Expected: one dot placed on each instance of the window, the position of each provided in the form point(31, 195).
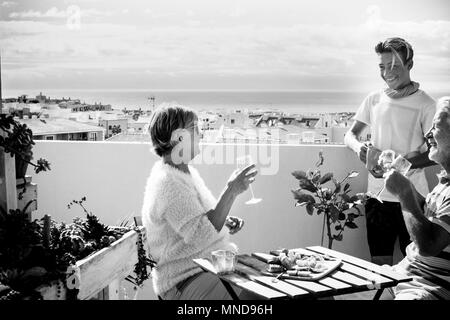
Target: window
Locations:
point(232, 121)
point(93, 136)
point(49, 138)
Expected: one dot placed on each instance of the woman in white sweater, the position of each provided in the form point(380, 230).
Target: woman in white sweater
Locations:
point(182, 218)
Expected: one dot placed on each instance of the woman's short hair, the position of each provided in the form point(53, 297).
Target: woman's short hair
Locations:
point(165, 120)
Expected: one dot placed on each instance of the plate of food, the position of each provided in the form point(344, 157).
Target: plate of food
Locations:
point(297, 264)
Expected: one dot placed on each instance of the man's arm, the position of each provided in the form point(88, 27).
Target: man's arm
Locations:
point(351, 140)
point(421, 161)
point(429, 237)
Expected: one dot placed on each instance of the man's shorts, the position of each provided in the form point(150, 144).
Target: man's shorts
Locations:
point(384, 224)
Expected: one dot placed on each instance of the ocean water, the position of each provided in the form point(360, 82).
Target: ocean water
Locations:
point(286, 101)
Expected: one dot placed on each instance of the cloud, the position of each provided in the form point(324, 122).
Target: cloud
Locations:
point(238, 12)
point(8, 4)
point(373, 21)
point(51, 13)
point(64, 14)
point(186, 46)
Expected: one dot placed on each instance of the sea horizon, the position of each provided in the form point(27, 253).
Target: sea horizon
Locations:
point(289, 101)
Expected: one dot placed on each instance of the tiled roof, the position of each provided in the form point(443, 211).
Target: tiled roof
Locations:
point(56, 126)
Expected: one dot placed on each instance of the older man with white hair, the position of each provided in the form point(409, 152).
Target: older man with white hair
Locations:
point(427, 220)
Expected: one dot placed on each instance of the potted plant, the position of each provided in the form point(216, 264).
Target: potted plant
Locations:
point(38, 255)
point(18, 142)
point(323, 194)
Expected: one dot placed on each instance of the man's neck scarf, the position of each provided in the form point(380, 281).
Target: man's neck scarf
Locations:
point(408, 90)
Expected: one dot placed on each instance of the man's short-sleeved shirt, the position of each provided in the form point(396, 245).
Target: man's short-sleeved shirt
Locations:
point(434, 268)
point(398, 125)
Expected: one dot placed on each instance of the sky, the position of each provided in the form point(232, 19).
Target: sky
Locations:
point(217, 45)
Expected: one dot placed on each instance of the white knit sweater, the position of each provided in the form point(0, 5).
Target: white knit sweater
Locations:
point(178, 229)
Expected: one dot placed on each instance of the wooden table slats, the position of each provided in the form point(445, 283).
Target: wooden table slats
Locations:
point(259, 289)
point(361, 263)
point(351, 279)
point(376, 279)
point(243, 282)
point(311, 286)
point(252, 274)
point(354, 275)
point(289, 289)
point(335, 284)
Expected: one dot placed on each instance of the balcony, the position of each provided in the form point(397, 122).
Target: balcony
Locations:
point(112, 176)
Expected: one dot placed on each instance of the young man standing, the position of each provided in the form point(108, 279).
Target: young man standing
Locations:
point(398, 117)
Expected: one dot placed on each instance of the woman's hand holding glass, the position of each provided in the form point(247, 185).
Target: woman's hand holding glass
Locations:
point(241, 163)
point(240, 179)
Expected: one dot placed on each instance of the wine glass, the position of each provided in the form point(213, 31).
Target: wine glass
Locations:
point(243, 162)
point(388, 161)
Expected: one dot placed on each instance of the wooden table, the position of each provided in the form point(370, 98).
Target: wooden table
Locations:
point(354, 275)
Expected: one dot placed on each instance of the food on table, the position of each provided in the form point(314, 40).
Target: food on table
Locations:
point(299, 273)
point(297, 264)
point(274, 268)
point(274, 260)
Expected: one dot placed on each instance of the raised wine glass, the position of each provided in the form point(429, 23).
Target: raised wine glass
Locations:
point(243, 162)
point(388, 161)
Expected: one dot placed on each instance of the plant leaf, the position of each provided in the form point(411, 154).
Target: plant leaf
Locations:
point(338, 227)
point(334, 213)
point(310, 209)
point(303, 197)
point(307, 185)
point(352, 216)
point(301, 204)
point(351, 225)
point(316, 176)
point(320, 161)
point(326, 177)
point(337, 185)
point(298, 174)
point(353, 174)
point(345, 197)
point(338, 237)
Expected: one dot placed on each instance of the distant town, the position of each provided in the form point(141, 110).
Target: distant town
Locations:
point(72, 119)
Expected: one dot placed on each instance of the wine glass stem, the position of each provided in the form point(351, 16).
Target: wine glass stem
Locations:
point(251, 190)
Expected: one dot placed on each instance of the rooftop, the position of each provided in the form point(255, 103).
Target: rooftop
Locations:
point(57, 126)
point(130, 137)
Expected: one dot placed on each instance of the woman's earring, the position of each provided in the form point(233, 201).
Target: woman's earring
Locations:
point(180, 138)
